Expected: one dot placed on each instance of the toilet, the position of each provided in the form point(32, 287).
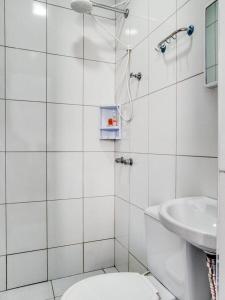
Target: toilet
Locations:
point(167, 262)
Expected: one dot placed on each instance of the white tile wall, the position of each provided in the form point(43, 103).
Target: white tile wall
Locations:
point(64, 79)
point(25, 68)
point(99, 45)
point(173, 137)
point(197, 176)
point(121, 257)
point(137, 234)
point(26, 227)
point(64, 178)
point(46, 46)
point(139, 181)
point(2, 230)
point(2, 35)
point(122, 221)
point(2, 73)
point(2, 177)
point(26, 177)
point(98, 218)
point(162, 178)
point(64, 127)
point(197, 127)
point(65, 222)
point(2, 125)
point(98, 174)
point(25, 20)
point(139, 127)
point(26, 268)
point(98, 83)
point(162, 121)
point(25, 126)
point(65, 261)
point(3, 273)
point(65, 32)
point(98, 255)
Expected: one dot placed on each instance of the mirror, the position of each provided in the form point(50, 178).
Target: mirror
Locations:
point(211, 44)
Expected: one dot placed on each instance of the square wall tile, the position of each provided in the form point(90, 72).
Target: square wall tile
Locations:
point(98, 255)
point(65, 222)
point(137, 234)
point(2, 230)
point(197, 176)
point(26, 268)
point(139, 181)
point(139, 126)
point(162, 178)
point(162, 121)
point(2, 125)
point(122, 178)
point(26, 19)
point(99, 81)
point(26, 177)
point(64, 175)
point(162, 67)
point(64, 127)
point(25, 75)
point(41, 291)
point(26, 227)
point(2, 72)
point(25, 126)
point(92, 140)
point(159, 11)
point(139, 62)
point(197, 116)
point(2, 177)
point(65, 32)
point(122, 221)
point(98, 45)
point(121, 257)
point(104, 13)
point(98, 174)
point(65, 261)
point(2, 21)
point(3, 273)
point(98, 218)
point(190, 58)
point(65, 79)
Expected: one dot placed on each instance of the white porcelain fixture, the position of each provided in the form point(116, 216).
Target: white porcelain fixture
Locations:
point(194, 219)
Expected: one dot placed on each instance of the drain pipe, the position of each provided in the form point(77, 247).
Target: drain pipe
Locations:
point(211, 265)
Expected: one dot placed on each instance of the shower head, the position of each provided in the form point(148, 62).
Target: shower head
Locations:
point(82, 6)
point(86, 7)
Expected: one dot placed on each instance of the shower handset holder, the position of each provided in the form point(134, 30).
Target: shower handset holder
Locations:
point(161, 47)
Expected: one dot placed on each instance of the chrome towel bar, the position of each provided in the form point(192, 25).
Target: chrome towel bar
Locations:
point(161, 47)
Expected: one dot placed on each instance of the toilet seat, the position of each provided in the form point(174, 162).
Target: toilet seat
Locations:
point(119, 286)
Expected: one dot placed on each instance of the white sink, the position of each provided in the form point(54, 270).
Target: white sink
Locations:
point(194, 219)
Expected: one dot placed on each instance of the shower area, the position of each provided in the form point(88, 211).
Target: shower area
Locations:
point(72, 204)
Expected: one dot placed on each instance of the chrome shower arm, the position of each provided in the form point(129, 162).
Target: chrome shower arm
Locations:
point(125, 12)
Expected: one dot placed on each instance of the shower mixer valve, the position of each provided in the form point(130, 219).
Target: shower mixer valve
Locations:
point(138, 76)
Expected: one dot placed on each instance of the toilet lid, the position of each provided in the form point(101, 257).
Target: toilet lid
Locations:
point(119, 286)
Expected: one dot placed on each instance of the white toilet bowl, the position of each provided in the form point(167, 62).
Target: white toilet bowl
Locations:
point(118, 286)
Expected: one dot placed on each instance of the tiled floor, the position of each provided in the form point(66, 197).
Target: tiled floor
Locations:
point(52, 290)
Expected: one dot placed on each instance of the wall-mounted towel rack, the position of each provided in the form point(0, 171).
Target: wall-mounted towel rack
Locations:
point(161, 47)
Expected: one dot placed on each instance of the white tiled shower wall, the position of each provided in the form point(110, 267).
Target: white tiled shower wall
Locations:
point(173, 136)
point(56, 177)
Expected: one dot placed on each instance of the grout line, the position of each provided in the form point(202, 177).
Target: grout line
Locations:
point(83, 158)
point(53, 292)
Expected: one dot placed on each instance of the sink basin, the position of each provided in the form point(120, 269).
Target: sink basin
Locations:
point(194, 219)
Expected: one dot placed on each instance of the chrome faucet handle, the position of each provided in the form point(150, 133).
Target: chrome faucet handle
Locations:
point(128, 162)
